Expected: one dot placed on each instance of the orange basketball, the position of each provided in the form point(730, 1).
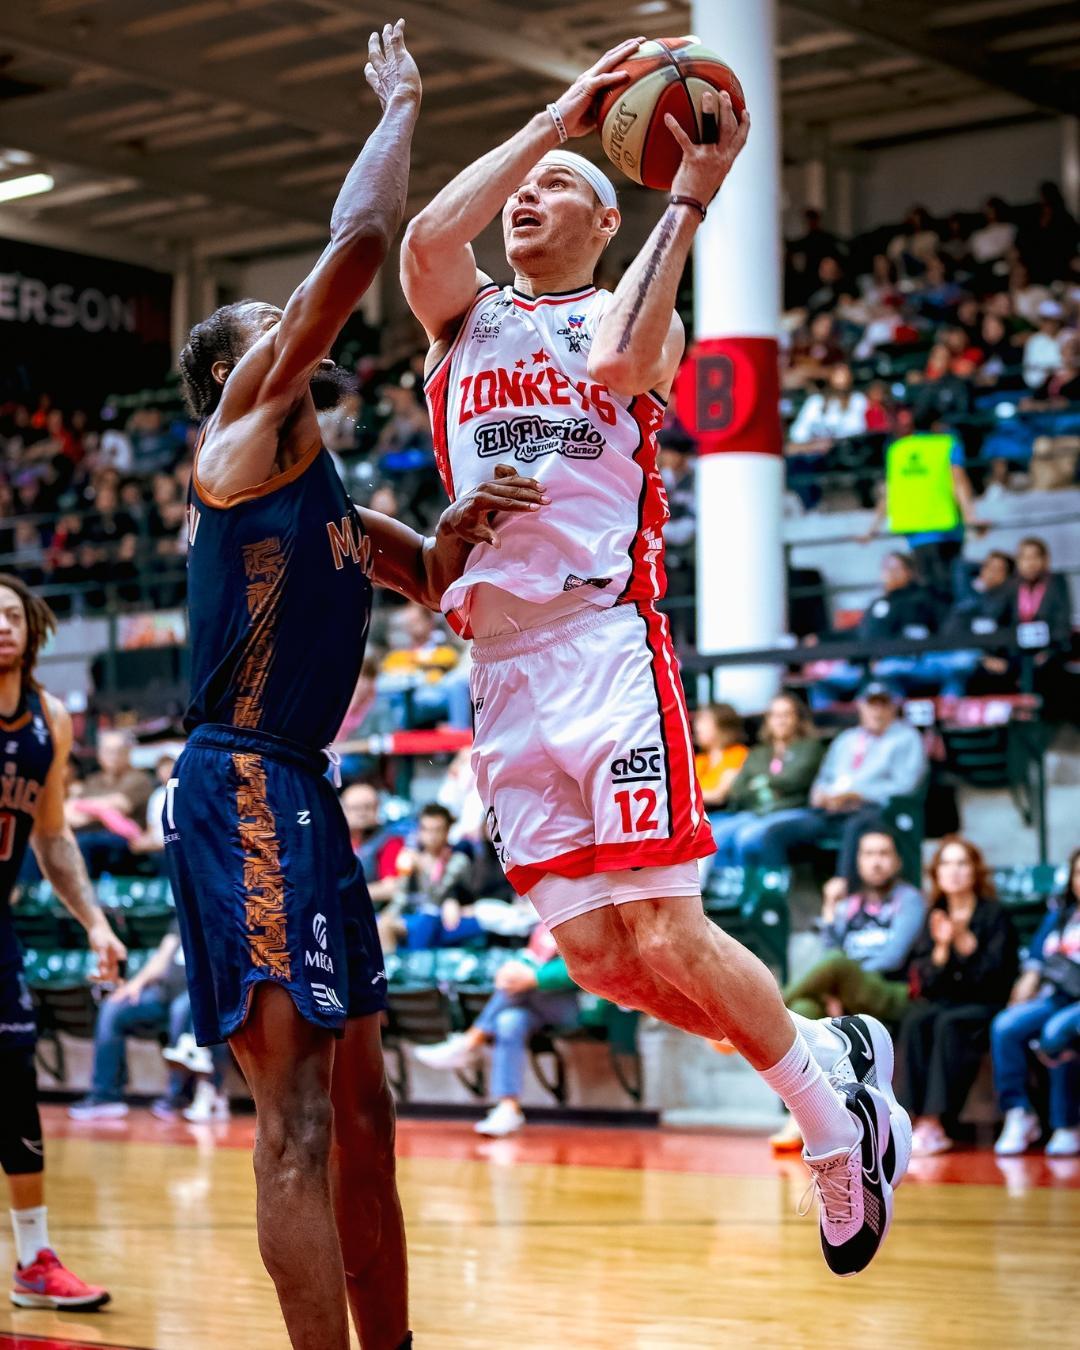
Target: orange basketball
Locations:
point(667, 75)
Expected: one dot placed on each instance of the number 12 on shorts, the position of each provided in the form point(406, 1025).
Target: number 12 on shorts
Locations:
point(638, 810)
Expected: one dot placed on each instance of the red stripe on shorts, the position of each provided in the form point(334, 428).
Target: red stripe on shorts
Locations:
point(593, 858)
point(684, 792)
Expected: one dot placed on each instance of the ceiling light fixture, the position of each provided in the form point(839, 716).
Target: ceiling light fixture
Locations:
point(29, 185)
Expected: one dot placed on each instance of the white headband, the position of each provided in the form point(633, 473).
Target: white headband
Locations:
point(600, 183)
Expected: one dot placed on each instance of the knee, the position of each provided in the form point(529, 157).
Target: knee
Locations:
point(512, 1024)
point(669, 942)
point(295, 1136)
point(602, 971)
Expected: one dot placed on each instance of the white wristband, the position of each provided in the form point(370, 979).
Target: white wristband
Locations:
point(560, 125)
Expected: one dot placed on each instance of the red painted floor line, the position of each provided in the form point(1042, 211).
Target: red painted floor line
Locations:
point(714, 1152)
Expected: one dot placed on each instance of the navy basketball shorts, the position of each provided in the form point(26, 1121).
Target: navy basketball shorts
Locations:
point(266, 884)
point(18, 1023)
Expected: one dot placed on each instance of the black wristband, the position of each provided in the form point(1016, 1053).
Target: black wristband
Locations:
point(677, 200)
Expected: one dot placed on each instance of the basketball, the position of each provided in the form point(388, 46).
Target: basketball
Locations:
point(667, 75)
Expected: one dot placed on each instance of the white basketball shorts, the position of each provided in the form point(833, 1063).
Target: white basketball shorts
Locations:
point(582, 750)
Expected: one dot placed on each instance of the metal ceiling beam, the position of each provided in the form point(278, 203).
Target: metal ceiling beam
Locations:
point(107, 244)
point(164, 63)
point(899, 26)
point(170, 174)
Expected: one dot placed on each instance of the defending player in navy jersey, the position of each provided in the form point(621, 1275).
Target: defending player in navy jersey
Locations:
point(278, 930)
point(35, 738)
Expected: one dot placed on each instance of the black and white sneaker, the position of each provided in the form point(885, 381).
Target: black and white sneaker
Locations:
point(854, 1195)
point(868, 1060)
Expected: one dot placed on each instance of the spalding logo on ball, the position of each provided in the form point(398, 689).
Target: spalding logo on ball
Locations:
point(667, 75)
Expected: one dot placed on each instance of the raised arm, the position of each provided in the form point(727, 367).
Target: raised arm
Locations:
point(58, 854)
point(639, 341)
point(422, 568)
point(273, 375)
point(438, 270)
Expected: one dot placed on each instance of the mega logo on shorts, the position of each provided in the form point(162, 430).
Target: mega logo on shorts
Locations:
point(533, 437)
point(319, 959)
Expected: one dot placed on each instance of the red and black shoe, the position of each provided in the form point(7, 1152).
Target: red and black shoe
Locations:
point(48, 1283)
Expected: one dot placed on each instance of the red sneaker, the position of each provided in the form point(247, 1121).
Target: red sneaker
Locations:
point(49, 1284)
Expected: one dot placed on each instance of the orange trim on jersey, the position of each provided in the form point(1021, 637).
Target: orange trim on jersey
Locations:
point(279, 480)
point(19, 722)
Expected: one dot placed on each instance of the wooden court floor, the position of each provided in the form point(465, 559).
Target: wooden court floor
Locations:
point(567, 1239)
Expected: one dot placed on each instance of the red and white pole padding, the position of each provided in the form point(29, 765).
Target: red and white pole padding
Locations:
point(728, 391)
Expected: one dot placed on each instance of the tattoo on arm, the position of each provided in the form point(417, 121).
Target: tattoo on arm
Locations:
point(63, 865)
point(667, 229)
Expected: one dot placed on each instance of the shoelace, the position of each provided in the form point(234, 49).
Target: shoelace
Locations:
point(833, 1185)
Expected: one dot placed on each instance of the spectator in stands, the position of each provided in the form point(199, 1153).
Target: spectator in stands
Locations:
point(823, 420)
point(1043, 1012)
point(807, 253)
point(991, 242)
point(678, 469)
point(815, 350)
point(866, 768)
point(415, 674)
point(152, 839)
point(869, 935)
point(776, 776)
point(720, 738)
point(1044, 351)
point(107, 810)
point(375, 843)
point(151, 1001)
point(532, 992)
point(206, 1066)
point(1043, 597)
point(962, 968)
point(916, 242)
point(1049, 243)
point(428, 908)
point(832, 285)
point(367, 715)
point(1025, 295)
point(928, 499)
point(986, 611)
point(1001, 356)
point(905, 609)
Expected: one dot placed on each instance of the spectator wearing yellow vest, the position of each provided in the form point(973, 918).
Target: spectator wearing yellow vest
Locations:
point(928, 499)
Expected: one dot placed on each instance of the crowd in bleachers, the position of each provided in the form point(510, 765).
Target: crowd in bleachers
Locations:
point(964, 327)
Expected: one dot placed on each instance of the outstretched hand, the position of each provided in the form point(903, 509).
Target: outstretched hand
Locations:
point(473, 516)
point(580, 103)
point(390, 65)
point(704, 167)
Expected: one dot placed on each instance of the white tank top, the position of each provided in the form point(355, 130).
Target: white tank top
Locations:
point(514, 388)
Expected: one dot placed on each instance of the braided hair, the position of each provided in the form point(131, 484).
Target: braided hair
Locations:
point(217, 338)
point(40, 624)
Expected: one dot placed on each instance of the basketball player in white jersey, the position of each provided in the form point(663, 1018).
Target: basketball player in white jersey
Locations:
point(583, 752)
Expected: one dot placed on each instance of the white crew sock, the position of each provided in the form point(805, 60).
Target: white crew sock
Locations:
point(824, 1041)
point(31, 1233)
point(817, 1107)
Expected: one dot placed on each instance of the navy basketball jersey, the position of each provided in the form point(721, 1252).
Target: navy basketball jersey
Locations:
point(279, 602)
point(26, 755)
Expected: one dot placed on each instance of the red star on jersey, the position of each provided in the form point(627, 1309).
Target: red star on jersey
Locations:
point(519, 364)
point(540, 357)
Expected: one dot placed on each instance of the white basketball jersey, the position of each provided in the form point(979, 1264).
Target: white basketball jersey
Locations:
point(514, 388)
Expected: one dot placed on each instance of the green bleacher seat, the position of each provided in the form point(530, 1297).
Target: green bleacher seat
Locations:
point(1025, 890)
point(751, 904)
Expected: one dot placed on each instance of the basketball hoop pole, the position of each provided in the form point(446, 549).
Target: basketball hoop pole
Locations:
point(737, 266)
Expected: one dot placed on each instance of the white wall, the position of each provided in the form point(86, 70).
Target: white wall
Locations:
point(957, 172)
